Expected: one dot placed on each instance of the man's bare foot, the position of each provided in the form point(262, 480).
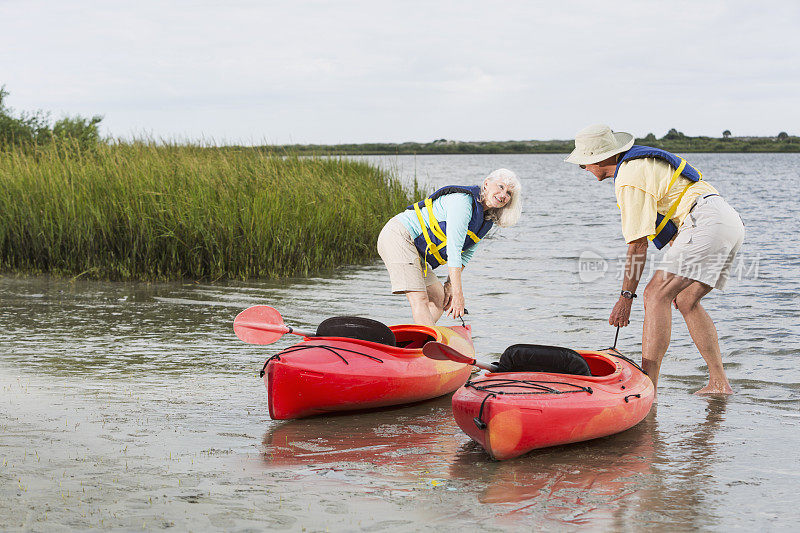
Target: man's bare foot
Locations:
point(715, 389)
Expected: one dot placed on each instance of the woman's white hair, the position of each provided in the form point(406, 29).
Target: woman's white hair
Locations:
point(509, 214)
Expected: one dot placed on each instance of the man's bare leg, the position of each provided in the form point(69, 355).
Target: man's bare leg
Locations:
point(704, 335)
point(658, 296)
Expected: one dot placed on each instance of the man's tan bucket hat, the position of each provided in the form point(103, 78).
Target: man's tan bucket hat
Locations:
point(597, 142)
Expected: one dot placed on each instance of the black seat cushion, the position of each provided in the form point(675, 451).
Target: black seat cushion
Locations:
point(538, 358)
point(356, 327)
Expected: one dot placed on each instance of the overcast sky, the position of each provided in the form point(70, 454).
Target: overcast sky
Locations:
point(340, 71)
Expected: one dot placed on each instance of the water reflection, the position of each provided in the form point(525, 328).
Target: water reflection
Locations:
point(618, 481)
point(591, 482)
point(684, 473)
point(407, 440)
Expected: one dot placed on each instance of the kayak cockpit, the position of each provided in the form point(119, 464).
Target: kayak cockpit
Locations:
point(414, 336)
point(582, 364)
point(599, 364)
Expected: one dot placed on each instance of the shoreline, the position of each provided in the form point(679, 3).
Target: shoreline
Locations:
point(788, 144)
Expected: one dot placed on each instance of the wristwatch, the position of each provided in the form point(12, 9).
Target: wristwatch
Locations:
point(628, 294)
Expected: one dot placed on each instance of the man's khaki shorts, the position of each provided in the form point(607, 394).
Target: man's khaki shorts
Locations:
point(706, 244)
point(402, 260)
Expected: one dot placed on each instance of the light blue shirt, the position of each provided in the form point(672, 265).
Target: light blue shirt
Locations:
point(456, 210)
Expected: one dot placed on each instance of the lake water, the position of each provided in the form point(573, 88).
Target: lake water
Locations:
point(133, 405)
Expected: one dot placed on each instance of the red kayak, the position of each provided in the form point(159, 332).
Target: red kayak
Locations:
point(512, 413)
point(327, 374)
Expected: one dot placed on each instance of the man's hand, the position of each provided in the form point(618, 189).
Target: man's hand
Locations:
point(621, 314)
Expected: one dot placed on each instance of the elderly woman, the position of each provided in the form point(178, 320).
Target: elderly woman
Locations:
point(445, 228)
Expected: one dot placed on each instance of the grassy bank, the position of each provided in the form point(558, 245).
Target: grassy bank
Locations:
point(141, 211)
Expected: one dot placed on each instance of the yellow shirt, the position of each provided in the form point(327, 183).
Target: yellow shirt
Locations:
point(641, 189)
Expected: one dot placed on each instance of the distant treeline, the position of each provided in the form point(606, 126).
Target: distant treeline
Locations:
point(673, 141)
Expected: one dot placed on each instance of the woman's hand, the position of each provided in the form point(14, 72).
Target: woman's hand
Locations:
point(456, 309)
point(448, 295)
point(456, 299)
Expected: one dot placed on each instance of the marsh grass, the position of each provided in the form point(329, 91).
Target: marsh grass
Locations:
point(152, 211)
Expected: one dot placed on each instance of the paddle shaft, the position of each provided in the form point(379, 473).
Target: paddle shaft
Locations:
point(443, 352)
point(277, 328)
point(485, 366)
point(262, 324)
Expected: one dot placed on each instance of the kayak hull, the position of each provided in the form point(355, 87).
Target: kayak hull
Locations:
point(513, 413)
point(323, 375)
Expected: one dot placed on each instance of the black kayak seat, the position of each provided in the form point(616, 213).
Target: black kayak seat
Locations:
point(356, 327)
point(540, 358)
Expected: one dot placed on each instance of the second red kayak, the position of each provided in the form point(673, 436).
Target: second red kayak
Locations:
point(512, 413)
point(327, 374)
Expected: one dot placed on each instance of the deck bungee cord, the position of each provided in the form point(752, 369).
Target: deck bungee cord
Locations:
point(531, 386)
point(333, 349)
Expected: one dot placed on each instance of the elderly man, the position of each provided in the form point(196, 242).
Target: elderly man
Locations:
point(664, 199)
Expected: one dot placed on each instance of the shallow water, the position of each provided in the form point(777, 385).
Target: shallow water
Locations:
point(134, 405)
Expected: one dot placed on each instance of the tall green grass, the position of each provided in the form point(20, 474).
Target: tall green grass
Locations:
point(150, 211)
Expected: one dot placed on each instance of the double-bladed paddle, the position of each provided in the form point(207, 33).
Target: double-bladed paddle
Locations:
point(262, 324)
point(443, 352)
